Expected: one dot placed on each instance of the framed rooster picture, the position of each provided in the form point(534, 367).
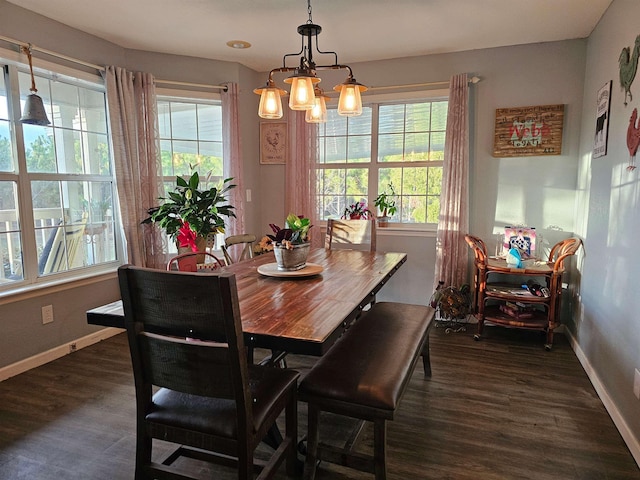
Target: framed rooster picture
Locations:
point(273, 143)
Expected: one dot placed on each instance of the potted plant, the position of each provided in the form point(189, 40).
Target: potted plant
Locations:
point(386, 202)
point(356, 211)
point(291, 243)
point(189, 211)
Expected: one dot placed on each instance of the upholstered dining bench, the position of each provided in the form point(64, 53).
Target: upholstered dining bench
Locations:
point(364, 376)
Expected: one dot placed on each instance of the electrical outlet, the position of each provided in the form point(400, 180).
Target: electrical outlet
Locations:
point(72, 347)
point(47, 314)
point(636, 384)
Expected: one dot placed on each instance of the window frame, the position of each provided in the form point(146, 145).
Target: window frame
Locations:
point(198, 97)
point(14, 64)
point(373, 166)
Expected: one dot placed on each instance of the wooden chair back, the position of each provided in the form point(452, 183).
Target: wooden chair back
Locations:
point(563, 249)
point(238, 247)
point(191, 325)
point(195, 262)
point(351, 234)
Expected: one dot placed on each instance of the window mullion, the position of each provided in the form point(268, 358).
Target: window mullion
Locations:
point(373, 170)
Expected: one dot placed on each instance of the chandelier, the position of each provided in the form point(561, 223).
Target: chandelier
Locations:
point(305, 93)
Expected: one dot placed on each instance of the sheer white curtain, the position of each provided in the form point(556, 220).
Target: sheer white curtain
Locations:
point(453, 224)
point(232, 154)
point(131, 98)
point(300, 172)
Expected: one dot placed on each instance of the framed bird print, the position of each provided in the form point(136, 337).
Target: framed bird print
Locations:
point(273, 143)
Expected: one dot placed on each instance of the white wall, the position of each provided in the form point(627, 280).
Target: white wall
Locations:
point(607, 330)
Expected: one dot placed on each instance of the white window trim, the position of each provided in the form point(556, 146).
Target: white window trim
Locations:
point(66, 279)
point(410, 229)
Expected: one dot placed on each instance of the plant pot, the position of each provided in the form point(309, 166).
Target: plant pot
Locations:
point(383, 221)
point(291, 259)
point(201, 245)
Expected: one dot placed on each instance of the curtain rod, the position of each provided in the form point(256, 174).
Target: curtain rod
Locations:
point(99, 67)
point(473, 79)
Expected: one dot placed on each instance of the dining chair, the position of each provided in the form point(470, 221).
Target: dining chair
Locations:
point(351, 234)
point(194, 385)
point(195, 262)
point(238, 247)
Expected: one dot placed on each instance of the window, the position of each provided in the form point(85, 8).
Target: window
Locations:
point(190, 138)
point(56, 181)
point(399, 144)
point(190, 134)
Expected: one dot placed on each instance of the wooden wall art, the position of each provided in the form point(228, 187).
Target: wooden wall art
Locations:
point(273, 143)
point(628, 63)
point(528, 131)
point(603, 112)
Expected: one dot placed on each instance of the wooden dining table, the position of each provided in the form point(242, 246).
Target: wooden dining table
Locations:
point(297, 314)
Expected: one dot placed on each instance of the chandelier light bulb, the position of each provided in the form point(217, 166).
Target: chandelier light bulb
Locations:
point(302, 97)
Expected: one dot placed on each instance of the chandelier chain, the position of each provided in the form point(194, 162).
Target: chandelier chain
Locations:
point(310, 21)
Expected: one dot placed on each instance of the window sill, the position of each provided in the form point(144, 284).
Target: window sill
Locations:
point(46, 287)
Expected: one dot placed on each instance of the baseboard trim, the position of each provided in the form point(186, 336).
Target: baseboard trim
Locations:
point(627, 435)
point(55, 353)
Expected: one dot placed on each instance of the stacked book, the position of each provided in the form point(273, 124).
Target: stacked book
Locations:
point(517, 309)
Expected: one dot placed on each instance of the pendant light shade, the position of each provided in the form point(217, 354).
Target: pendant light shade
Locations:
point(350, 101)
point(301, 96)
point(33, 112)
point(270, 101)
point(318, 113)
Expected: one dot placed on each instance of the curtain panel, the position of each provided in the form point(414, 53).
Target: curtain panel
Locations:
point(133, 117)
point(232, 157)
point(453, 223)
point(300, 172)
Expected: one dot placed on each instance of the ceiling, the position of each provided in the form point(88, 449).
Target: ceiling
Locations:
point(358, 30)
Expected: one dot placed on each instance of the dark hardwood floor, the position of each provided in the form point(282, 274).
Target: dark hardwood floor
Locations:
point(501, 408)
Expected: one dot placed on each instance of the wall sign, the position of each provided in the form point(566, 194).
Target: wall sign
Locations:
point(528, 131)
point(603, 110)
point(273, 143)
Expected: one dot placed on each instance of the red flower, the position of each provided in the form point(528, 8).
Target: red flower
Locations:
point(187, 237)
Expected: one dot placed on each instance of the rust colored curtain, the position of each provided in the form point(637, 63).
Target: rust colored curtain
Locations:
point(453, 223)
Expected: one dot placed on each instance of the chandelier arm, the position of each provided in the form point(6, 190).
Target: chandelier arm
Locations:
point(335, 55)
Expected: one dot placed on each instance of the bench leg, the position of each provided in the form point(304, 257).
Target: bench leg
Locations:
point(379, 449)
point(313, 435)
point(426, 359)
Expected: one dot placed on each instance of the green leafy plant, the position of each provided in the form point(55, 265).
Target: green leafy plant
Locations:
point(295, 231)
point(203, 209)
point(386, 202)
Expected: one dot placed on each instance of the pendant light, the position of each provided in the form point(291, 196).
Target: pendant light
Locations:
point(304, 82)
point(33, 113)
point(317, 113)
